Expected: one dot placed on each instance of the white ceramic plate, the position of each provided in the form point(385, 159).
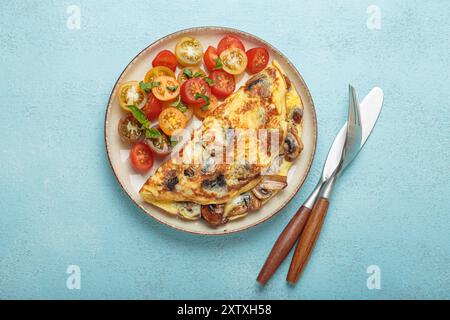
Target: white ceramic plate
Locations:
point(132, 182)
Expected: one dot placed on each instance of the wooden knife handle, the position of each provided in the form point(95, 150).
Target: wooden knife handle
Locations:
point(307, 240)
point(284, 244)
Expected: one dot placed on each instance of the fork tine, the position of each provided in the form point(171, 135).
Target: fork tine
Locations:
point(353, 107)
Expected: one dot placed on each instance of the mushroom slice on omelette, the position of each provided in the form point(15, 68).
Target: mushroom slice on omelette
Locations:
point(220, 179)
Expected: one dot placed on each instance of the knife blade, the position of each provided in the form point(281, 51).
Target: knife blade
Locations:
point(370, 109)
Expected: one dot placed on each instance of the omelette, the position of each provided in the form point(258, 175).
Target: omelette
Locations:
point(238, 158)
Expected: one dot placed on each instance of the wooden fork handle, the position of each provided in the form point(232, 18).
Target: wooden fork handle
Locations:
point(284, 244)
point(307, 239)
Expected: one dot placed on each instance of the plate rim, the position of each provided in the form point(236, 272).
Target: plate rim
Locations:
point(286, 60)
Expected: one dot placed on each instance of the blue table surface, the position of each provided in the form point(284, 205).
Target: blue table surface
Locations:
point(61, 205)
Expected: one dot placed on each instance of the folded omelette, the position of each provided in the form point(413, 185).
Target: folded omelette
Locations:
point(238, 158)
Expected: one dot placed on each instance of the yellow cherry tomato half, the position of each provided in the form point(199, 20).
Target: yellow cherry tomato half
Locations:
point(130, 93)
point(156, 72)
point(189, 51)
point(192, 71)
point(170, 120)
point(234, 60)
point(187, 110)
point(167, 89)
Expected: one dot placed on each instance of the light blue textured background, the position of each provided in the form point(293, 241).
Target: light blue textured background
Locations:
point(60, 203)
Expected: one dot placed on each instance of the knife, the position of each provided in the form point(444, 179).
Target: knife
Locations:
point(370, 109)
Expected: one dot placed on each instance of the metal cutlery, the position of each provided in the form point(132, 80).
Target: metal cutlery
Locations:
point(348, 142)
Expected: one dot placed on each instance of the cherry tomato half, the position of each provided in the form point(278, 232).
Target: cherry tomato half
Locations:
point(165, 58)
point(156, 72)
point(189, 51)
point(170, 120)
point(188, 111)
point(130, 93)
point(210, 58)
point(202, 112)
point(182, 77)
point(129, 129)
point(224, 84)
point(141, 157)
point(258, 58)
point(161, 145)
point(167, 89)
point(191, 89)
point(152, 108)
point(234, 60)
point(229, 42)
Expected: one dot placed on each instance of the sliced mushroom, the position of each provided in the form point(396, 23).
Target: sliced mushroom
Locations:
point(244, 203)
point(297, 115)
point(269, 184)
point(189, 172)
point(213, 214)
point(274, 182)
point(171, 180)
point(219, 181)
point(261, 193)
point(255, 80)
point(292, 145)
point(260, 84)
point(189, 210)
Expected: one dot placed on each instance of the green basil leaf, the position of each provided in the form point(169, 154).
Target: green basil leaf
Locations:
point(152, 133)
point(198, 74)
point(209, 81)
point(219, 64)
point(188, 73)
point(200, 96)
point(172, 88)
point(139, 115)
point(179, 105)
point(147, 86)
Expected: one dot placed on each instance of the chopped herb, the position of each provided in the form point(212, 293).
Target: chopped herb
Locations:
point(209, 81)
point(206, 98)
point(173, 142)
point(147, 86)
point(152, 133)
point(198, 74)
point(172, 88)
point(179, 105)
point(188, 73)
point(219, 64)
point(140, 116)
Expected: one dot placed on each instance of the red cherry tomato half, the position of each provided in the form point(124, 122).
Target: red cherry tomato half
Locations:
point(258, 58)
point(152, 108)
point(229, 42)
point(210, 58)
point(191, 89)
point(224, 84)
point(141, 157)
point(166, 59)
